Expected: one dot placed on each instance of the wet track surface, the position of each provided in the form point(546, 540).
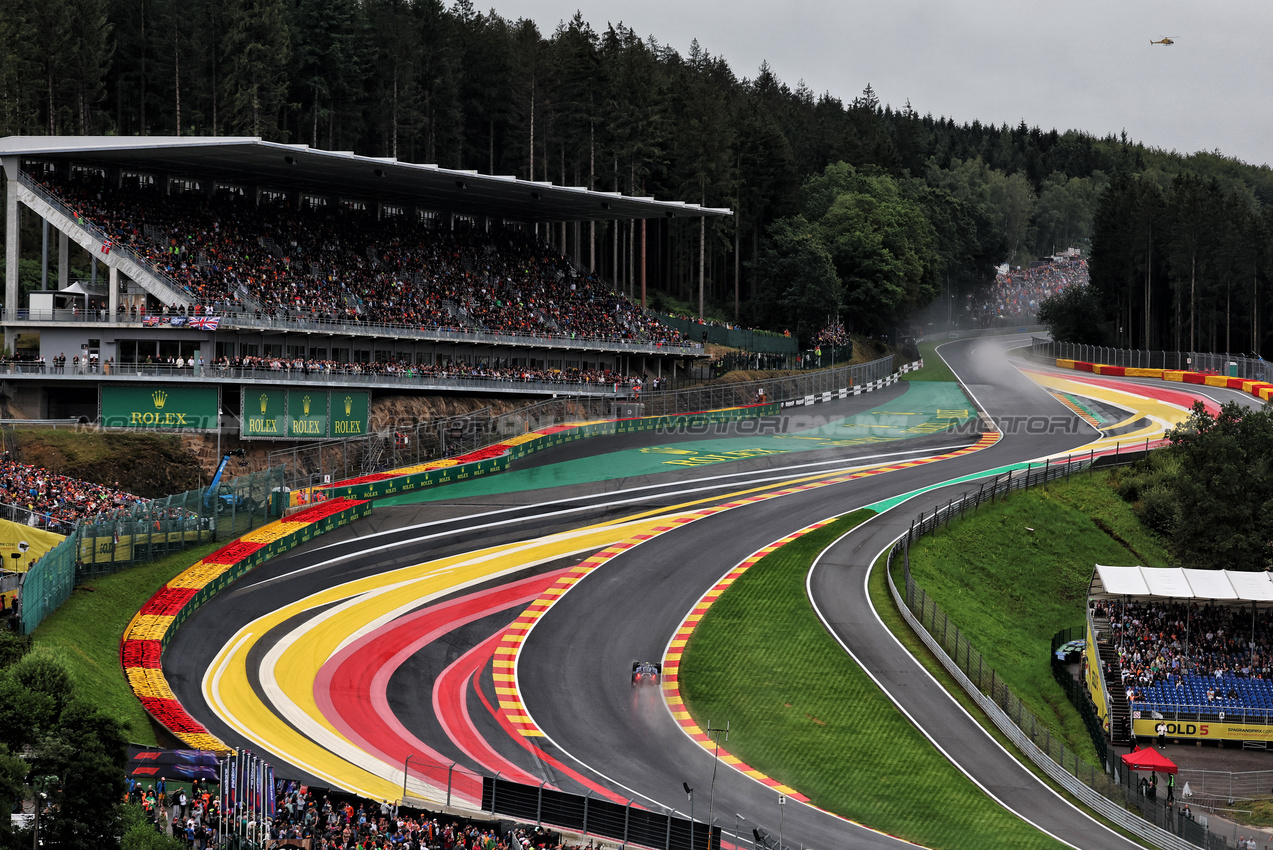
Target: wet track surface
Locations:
point(600, 734)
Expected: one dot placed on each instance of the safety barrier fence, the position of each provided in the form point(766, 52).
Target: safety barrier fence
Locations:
point(33, 518)
point(1101, 788)
point(408, 444)
point(1077, 694)
point(761, 342)
point(594, 816)
point(788, 390)
point(1231, 365)
point(247, 787)
point(128, 535)
point(498, 457)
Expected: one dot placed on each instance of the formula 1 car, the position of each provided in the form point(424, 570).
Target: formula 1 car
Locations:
point(646, 671)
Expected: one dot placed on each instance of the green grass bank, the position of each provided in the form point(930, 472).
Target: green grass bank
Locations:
point(1012, 575)
point(803, 712)
point(84, 634)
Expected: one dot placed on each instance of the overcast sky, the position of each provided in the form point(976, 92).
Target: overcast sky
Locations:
point(1068, 64)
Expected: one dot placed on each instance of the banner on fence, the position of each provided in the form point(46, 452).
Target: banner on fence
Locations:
point(30, 544)
point(1146, 726)
point(1092, 675)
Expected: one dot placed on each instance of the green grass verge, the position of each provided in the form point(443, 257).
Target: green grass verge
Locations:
point(84, 634)
point(1010, 589)
point(877, 588)
point(934, 369)
point(801, 711)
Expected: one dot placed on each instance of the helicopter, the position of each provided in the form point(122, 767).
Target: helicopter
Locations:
point(1165, 40)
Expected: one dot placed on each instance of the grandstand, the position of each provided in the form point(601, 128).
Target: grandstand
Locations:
point(231, 262)
point(1190, 649)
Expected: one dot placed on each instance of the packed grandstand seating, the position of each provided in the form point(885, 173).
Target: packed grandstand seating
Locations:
point(56, 500)
point(344, 264)
point(1205, 657)
point(1017, 293)
point(499, 371)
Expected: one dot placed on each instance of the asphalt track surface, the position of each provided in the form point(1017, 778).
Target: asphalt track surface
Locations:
point(573, 668)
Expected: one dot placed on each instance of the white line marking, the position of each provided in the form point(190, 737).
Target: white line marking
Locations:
point(786, 474)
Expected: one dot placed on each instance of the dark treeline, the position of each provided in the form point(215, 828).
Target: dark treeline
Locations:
point(1182, 264)
point(935, 203)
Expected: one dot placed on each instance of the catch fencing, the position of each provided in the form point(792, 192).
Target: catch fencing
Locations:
point(1105, 788)
point(121, 537)
point(803, 388)
point(595, 816)
point(405, 444)
point(33, 518)
point(757, 342)
point(1231, 365)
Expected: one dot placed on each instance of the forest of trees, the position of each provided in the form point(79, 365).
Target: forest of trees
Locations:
point(607, 108)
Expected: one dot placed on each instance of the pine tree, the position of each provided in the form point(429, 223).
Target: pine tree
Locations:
point(257, 48)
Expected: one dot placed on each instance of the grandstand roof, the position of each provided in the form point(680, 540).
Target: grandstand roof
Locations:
point(249, 160)
point(1170, 583)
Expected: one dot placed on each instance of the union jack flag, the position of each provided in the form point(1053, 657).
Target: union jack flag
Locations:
point(207, 323)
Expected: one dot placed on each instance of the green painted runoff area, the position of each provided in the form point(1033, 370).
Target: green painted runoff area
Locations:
point(925, 408)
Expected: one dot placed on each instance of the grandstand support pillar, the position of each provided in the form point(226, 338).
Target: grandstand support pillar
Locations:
point(12, 246)
point(114, 293)
point(63, 260)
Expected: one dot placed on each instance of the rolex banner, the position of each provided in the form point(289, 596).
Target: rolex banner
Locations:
point(317, 414)
point(306, 414)
point(349, 413)
point(159, 407)
point(262, 412)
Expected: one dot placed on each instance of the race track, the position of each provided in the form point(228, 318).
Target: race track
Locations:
point(494, 631)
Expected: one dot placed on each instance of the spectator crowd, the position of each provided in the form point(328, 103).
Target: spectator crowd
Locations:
point(497, 370)
point(316, 820)
point(1164, 644)
point(56, 499)
point(833, 334)
point(344, 263)
point(1017, 293)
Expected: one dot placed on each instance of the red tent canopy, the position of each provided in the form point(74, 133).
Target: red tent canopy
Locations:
point(1147, 758)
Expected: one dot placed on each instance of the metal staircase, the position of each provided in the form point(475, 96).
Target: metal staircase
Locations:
point(1120, 711)
point(93, 240)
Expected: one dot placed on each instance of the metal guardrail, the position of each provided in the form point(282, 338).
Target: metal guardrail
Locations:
point(804, 388)
point(1098, 788)
point(408, 443)
point(1232, 365)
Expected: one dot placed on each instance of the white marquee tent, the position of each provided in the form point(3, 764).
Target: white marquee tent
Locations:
point(1218, 586)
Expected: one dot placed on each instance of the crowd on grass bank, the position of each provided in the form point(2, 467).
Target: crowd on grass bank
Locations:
point(58, 500)
point(1162, 642)
point(346, 263)
point(1017, 293)
point(314, 819)
point(833, 334)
